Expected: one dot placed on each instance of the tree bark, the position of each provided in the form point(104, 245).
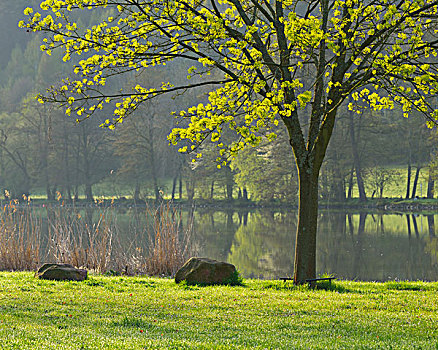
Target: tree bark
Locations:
point(190, 189)
point(245, 194)
point(152, 158)
point(212, 189)
point(180, 187)
point(430, 185)
point(339, 185)
point(414, 186)
point(67, 170)
point(350, 183)
point(408, 182)
point(175, 179)
point(87, 166)
point(137, 192)
point(305, 246)
point(229, 182)
point(356, 160)
point(156, 189)
point(89, 192)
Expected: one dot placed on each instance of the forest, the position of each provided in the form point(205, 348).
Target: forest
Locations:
point(45, 154)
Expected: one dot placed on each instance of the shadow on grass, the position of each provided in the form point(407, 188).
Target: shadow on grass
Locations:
point(236, 280)
point(322, 285)
point(412, 286)
point(329, 286)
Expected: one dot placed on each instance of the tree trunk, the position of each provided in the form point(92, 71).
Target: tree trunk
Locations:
point(408, 182)
point(350, 183)
point(356, 161)
point(339, 185)
point(212, 189)
point(137, 192)
point(87, 166)
point(157, 193)
point(50, 194)
point(69, 196)
point(190, 189)
point(229, 191)
point(414, 186)
point(175, 179)
point(156, 189)
point(67, 170)
point(430, 185)
point(245, 194)
point(305, 246)
point(229, 187)
point(180, 186)
point(89, 192)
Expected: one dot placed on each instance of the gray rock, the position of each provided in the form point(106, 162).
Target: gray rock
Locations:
point(61, 272)
point(207, 271)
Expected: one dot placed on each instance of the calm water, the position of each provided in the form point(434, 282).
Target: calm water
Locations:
point(367, 247)
point(260, 243)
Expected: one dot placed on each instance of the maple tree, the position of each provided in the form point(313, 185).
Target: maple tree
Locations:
point(281, 63)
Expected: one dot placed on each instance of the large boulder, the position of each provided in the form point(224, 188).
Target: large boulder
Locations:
point(61, 272)
point(207, 271)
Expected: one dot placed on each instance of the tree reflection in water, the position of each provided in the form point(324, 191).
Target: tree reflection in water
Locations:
point(361, 246)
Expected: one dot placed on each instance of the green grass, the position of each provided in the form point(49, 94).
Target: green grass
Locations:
point(148, 313)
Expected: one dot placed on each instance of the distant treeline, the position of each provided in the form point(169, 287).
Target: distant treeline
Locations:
point(42, 151)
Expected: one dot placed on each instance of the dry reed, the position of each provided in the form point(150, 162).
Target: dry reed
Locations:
point(79, 241)
point(20, 236)
point(158, 244)
point(169, 244)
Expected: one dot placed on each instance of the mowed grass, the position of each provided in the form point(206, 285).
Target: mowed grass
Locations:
point(150, 313)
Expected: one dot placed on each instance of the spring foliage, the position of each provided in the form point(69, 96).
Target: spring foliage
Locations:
point(275, 58)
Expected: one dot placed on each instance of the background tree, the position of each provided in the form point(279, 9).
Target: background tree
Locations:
point(266, 171)
point(276, 57)
point(379, 179)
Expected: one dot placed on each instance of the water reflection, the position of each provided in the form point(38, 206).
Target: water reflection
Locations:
point(361, 246)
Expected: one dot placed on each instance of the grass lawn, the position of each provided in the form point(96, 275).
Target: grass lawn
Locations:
point(150, 313)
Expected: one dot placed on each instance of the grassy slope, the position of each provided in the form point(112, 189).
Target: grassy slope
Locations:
point(144, 313)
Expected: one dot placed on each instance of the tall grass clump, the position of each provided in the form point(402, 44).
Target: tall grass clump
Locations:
point(170, 245)
point(155, 243)
point(20, 237)
point(77, 240)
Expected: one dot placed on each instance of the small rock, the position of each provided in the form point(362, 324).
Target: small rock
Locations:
point(61, 272)
point(207, 271)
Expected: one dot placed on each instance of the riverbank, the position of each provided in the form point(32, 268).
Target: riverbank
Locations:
point(384, 204)
point(150, 313)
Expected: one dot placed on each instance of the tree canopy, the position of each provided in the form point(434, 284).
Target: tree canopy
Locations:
point(265, 61)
